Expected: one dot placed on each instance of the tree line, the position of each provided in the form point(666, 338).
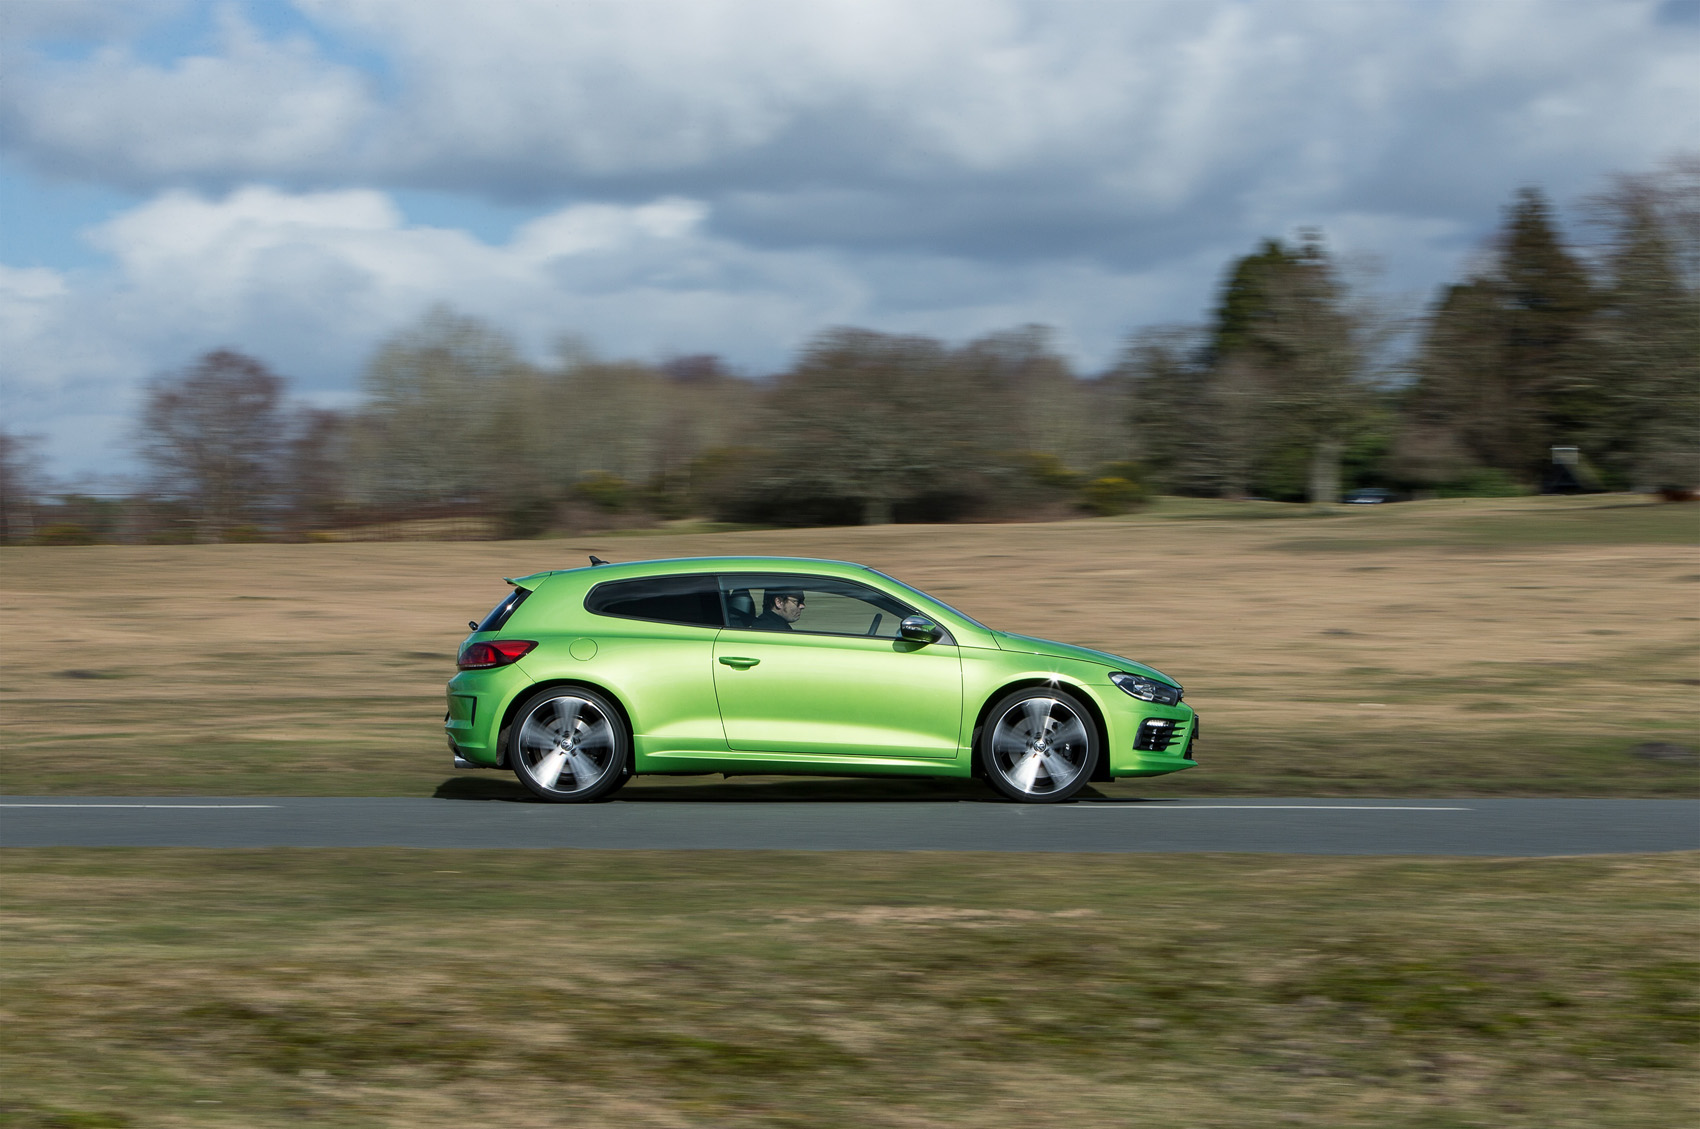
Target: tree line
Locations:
point(1298, 386)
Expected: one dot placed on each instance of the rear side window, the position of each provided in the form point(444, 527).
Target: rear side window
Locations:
point(690, 600)
point(500, 613)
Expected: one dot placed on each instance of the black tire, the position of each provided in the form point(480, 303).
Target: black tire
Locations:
point(570, 732)
point(1039, 745)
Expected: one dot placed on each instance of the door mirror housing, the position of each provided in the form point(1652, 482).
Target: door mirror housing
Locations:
point(919, 629)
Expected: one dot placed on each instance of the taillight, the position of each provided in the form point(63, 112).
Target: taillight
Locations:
point(500, 652)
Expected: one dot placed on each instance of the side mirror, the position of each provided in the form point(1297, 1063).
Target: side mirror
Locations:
point(919, 629)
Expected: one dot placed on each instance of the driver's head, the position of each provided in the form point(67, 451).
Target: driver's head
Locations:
point(786, 604)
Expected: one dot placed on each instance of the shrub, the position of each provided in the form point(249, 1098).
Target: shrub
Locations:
point(64, 533)
point(607, 492)
point(1111, 495)
point(1047, 469)
point(1483, 482)
point(527, 517)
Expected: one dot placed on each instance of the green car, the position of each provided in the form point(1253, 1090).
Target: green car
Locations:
point(583, 677)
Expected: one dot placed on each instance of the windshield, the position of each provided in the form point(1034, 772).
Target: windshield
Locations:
point(929, 596)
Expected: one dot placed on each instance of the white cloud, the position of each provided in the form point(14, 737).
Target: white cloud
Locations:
point(732, 176)
point(1147, 110)
point(24, 20)
point(256, 107)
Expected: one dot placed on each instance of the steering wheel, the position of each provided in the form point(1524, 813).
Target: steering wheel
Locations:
point(875, 625)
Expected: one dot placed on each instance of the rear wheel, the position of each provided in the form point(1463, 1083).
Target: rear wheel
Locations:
point(1039, 745)
point(569, 745)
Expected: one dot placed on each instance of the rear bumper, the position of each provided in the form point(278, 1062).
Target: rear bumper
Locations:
point(478, 700)
point(461, 762)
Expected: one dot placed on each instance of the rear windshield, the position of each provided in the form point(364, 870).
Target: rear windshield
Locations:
point(690, 600)
point(500, 613)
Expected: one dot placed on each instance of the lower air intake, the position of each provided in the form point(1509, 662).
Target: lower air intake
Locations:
point(1155, 735)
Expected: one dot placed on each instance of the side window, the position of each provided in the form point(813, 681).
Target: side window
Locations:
point(818, 605)
point(689, 600)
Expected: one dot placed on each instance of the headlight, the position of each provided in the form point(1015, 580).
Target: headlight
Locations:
point(1148, 689)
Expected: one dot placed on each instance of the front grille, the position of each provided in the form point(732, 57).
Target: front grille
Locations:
point(1157, 734)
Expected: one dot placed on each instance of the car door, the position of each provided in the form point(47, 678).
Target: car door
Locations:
point(828, 674)
point(654, 646)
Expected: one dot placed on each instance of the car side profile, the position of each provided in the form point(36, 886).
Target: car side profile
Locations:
point(581, 678)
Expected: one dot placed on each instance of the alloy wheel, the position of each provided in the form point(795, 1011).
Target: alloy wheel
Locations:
point(566, 746)
point(1040, 746)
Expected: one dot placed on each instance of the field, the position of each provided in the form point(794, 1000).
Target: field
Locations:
point(1519, 646)
point(628, 989)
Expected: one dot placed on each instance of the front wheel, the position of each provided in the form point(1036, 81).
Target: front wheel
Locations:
point(1039, 745)
point(570, 745)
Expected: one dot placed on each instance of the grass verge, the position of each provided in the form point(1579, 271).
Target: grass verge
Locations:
point(446, 988)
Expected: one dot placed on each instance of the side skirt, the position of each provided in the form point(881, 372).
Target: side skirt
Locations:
point(799, 764)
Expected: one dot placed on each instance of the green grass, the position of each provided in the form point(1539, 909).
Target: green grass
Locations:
point(798, 989)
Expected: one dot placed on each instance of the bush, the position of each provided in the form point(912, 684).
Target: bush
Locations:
point(1483, 482)
point(1111, 495)
point(526, 518)
point(244, 535)
point(1048, 470)
point(64, 533)
point(607, 492)
point(668, 501)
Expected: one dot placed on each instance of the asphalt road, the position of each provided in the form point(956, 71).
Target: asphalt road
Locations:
point(1510, 827)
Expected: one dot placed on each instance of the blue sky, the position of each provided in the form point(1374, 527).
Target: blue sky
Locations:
point(302, 179)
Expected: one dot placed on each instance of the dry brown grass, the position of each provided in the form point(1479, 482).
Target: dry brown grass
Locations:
point(452, 988)
point(1503, 646)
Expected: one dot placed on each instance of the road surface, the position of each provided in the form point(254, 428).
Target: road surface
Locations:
point(1510, 827)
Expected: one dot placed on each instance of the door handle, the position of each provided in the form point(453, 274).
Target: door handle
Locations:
point(741, 664)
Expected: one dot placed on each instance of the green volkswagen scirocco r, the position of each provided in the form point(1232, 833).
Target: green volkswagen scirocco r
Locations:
point(583, 677)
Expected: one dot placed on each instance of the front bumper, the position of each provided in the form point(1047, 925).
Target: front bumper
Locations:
point(1159, 740)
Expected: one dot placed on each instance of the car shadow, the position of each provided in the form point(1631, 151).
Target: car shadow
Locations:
point(829, 789)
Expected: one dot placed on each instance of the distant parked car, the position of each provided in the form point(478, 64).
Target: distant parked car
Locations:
point(1368, 496)
point(581, 678)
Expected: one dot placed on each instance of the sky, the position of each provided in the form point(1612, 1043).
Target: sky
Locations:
point(301, 179)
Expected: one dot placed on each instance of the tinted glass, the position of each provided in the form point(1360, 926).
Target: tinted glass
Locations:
point(500, 613)
point(818, 605)
point(690, 600)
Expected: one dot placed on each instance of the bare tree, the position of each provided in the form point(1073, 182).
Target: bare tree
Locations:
point(316, 464)
point(213, 435)
point(20, 485)
point(1177, 417)
point(877, 421)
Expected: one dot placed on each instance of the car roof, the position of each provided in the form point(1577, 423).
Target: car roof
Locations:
point(673, 566)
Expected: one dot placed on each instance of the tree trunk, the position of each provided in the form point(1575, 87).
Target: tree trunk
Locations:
point(1325, 473)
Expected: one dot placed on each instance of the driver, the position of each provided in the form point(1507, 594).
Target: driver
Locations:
point(784, 607)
